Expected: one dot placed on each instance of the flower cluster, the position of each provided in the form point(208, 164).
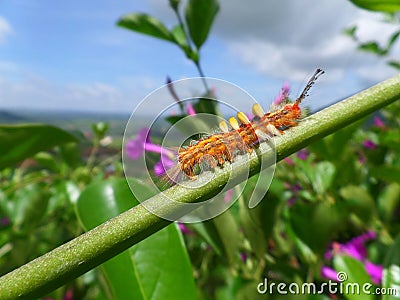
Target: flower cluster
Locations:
point(356, 249)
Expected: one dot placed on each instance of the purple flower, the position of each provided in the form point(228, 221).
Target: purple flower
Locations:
point(303, 154)
point(283, 95)
point(295, 192)
point(184, 229)
point(4, 222)
point(368, 144)
point(356, 249)
point(379, 123)
point(243, 256)
point(375, 271)
point(165, 163)
point(329, 273)
point(135, 148)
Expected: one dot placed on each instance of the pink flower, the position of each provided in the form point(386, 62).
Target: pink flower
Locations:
point(283, 95)
point(289, 161)
point(228, 195)
point(135, 148)
point(379, 123)
point(190, 110)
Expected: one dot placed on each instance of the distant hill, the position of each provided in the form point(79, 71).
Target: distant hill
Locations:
point(10, 117)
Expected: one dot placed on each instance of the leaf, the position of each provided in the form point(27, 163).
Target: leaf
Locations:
point(315, 224)
point(179, 38)
point(393, 38)
point(388, 200)
point(22, 141)
point(387, 173)
point(258, 222)
point(351, 32)
point(356, 275)
point(322, 176)
point(29, 206)
point(391, 271)
point(146, 24)
point(390, 6)
point(224, 233)
point(394, 64)
point(372, 47)
point(200, 16)
point(151, 268)
point(358, 201)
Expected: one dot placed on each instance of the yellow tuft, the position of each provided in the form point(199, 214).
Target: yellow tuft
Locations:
point(223, 126)
point(234, 123)
point(257, 110)
point(243, 118)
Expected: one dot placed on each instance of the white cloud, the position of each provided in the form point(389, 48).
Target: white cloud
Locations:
point(5, 30)
point(22, 89)
point(290, 38)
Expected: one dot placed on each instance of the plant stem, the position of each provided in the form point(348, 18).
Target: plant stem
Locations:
point(197, 63)
point(93, 248)
point(200, 70)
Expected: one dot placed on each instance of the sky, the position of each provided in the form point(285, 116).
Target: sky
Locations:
point(70, 55)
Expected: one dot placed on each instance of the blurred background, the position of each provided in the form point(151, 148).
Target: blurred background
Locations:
point(72, 72)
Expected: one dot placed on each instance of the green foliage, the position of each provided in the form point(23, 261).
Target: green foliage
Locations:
point(23, 141)
point(199, 17)
point(189, 36)
point(151, 268)
point(341, 186)
point(389, 6)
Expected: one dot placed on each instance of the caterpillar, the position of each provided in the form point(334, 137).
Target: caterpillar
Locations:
point(219, 148)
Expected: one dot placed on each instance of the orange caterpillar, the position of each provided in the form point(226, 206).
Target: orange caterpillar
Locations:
point(218, 148)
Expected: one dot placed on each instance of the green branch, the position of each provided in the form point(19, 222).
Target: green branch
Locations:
point(89, 250)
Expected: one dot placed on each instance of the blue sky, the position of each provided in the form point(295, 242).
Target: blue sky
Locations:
point(70, 55)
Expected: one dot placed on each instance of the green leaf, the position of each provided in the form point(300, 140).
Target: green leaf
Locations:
point(372, 47)
point(146, 24)
point(394, 64)
point(208, 106)
point(391, 271)
point(258, 222)
point(315, 224)
point(200, 16)
point(47, 161)
point(387, 173)
point(390, 6)
point(358, 201)
point(149, 269)
point(23, 141)
point(351, 32)
point(393, 38)
point(388, 200)
point(356, 276)
point(178, 34)
point(29, 206)
point(223, 231)
point(322, 176)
